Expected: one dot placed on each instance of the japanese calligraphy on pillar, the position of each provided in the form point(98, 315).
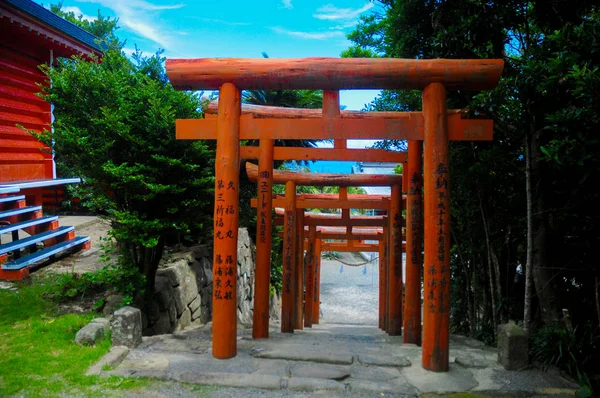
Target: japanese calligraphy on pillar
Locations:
point(223, 271)
point(414, 195)
point(310, 269)
point(439, 274)
point(316, 271)
point(264, 205)
point(288, 251)
point(397, 225)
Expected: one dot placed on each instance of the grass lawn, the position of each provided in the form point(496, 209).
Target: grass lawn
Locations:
point(37, 354)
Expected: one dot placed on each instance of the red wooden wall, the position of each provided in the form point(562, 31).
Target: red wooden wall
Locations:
point(20, 155)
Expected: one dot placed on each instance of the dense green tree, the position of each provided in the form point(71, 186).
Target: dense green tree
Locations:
point(114, 126)
point(546, 112)
point(103, 28)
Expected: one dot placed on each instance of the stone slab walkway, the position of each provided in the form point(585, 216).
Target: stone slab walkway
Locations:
point(332, 360)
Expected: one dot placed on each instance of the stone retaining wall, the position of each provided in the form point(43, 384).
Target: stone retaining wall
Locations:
point(183, 292)
point(184, 284)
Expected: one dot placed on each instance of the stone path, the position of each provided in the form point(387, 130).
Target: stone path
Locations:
point(330, 359)
point(344, 356)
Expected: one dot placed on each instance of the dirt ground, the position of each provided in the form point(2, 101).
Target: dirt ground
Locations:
point(86, 261)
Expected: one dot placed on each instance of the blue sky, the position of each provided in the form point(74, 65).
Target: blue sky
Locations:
point(236, 28)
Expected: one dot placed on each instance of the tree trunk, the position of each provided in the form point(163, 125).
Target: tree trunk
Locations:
point(465, 267)
point(154, 255)
point(489, 261)
point(485, 309)
point(529, 256)
point(499, 291)
point(597, 289)
point(470, 305)
point(543, 277)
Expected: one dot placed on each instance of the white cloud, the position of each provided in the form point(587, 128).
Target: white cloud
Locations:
point(331, 13)
point(138, 16)
point(77, 11)
point(287, 4)
point(345, 25)
point(308, 35)
point(223, 22)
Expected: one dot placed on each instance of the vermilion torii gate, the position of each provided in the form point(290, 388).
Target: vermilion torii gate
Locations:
point(393, 280)
point(434, 126)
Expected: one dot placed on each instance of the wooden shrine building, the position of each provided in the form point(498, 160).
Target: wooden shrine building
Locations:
point(31, 35)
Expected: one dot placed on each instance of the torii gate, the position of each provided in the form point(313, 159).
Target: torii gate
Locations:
point(391, 286)
point(294, 204)
point(433, 125)
point(293, 234)
point(333, 220)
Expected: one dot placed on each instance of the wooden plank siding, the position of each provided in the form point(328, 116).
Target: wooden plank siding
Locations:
point(21, 155)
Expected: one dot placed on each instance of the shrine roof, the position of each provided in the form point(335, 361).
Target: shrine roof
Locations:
point(53, 21)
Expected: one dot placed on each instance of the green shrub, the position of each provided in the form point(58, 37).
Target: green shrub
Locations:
point(115, 128)
point(276, 260)
point(578, 354)
point(485, 333)
point(124, 279)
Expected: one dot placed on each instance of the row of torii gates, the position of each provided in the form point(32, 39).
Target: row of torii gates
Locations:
point(427, 217)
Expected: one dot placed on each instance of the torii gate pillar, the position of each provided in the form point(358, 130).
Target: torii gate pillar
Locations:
point(289, 253)
point(298, 318)
point(227, 177)
point(260, 320)
point(317, 295)
point(382, 279)
point(414, 244)
point(436, 314)
point(311, 261)
point(395, 263)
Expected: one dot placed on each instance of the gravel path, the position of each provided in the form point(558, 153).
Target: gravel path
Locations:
point(349, 295)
